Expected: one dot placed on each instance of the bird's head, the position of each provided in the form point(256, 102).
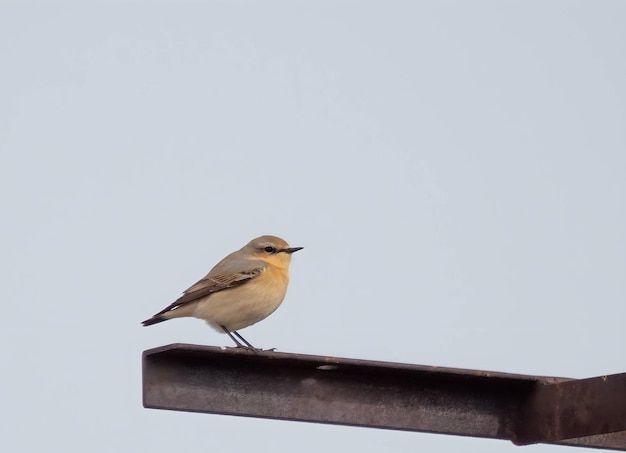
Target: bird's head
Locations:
point(270, 249)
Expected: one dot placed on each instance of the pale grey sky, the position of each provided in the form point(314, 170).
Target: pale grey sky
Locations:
point(456, 171)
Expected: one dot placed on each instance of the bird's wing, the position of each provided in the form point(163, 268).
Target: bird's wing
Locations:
point(219, 279)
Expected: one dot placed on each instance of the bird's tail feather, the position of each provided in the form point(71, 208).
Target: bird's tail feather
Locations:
point(154, 320)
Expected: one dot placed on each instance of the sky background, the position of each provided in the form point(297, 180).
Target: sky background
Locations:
point(456, 171)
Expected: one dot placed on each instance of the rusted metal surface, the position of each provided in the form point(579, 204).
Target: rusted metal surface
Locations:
point(524, 409)
point(575, 408)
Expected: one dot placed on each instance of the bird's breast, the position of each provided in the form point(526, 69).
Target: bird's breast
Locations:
point(247, 304)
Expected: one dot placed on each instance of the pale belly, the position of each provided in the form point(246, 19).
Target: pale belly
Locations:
point(241, 307)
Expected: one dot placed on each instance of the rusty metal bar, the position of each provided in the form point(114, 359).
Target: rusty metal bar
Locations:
point(574, 408)
point(523, 409)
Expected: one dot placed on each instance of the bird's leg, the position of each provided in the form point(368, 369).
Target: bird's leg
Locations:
point(249, 345)
point(239, 345)
point(243, 339)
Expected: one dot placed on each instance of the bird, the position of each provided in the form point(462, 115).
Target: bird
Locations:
point(242, 289)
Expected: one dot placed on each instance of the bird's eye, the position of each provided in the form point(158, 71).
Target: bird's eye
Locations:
point(269, 249)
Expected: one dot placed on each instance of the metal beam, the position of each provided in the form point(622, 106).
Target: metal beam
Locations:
point(575, 408)
point(523, 409)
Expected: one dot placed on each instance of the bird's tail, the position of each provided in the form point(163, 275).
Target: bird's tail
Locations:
point(154, 320)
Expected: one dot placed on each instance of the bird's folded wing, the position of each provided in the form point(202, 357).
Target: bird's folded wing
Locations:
point(213, 283)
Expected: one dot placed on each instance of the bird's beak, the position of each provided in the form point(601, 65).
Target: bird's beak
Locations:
point(292, 249)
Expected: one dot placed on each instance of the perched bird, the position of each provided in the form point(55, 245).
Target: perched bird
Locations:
point(241, 290)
